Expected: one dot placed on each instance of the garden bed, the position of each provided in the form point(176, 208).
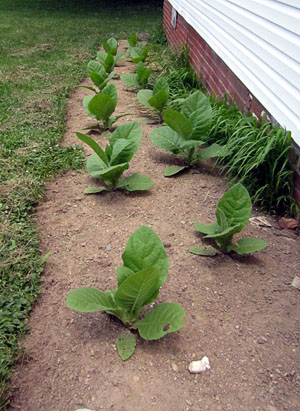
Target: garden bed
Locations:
point(241, 312)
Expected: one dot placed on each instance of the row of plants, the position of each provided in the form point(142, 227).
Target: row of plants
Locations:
point(260, 154)
point(40, 64)
point(145, 263)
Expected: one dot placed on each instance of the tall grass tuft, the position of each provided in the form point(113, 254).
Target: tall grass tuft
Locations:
point(260, 156)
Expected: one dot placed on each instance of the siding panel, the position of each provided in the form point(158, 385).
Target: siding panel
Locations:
point(259, 40)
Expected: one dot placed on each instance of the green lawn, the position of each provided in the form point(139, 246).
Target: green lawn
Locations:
point(44, 47)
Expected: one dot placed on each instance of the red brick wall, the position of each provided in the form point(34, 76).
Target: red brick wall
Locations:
point(215, 74)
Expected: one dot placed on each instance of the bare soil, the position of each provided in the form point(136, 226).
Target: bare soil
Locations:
point(241, 312)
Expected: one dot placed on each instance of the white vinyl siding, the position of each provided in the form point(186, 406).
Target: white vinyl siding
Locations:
point(259, 40)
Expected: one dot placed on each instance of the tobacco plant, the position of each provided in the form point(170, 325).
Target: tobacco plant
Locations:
point(157, 98)
point(144, 271)
point(138, 79)
point(110, 163)
point(184, 133)
point(109, 61)
point(133, 42)
point(233, 212)
point(97, 74)
point(101, 107)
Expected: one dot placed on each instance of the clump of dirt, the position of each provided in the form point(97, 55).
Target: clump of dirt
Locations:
point(241, 312)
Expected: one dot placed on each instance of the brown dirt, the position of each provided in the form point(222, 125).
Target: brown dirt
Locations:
point(240, 312)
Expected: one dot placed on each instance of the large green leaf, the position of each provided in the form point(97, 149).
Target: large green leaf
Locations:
point(110, 46)
point(96, 67)
point(168, 139)
point(201, 122)
point(136, 182)
point(113, 172)
point(111, 90)
point(208, 229)
point(123, 151)
point(129, 130)
point(143, 73)
point(119, 56)
point(96, 168)
point(248, 245)
point(130, 80)
point(144, 249)
point(87, 300)
point(236, 205)
point(195, 102)
point(163, 319)
point(109, 63)
point(215, 150)
point(143, 96)
point(138, 54)
point(126, 344)
point(221, 219)
point(97, 79)
point(95, 190)
point(86, 102)
point(132, 40)
point(136, 290)
point(102, 106)
point(225, 235)
point(123, 273)
point(161, 84)
point(207, 251)
point(101, 56)
point(94, 146)
point(94, 164)
point(173, 170)
point(159, 100)
point(179, 123)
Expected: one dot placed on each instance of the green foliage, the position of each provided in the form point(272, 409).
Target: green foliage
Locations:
point(109, 61)
point(134, 43)
point(138, 54)
point(144, 270)
point(233, 212)
point(40, 63)
point(260, 156)
point(157, 99)
point(185, 131)
point(111, 46)
point(109, 164)
point(101, 107)
point(97, 74)
point(138, 79)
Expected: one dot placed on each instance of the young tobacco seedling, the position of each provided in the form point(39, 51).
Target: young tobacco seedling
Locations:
point(233, 212)
point(133, 42)
point(108, 60)
point(144, 270)
point(97, 74)
point(109, 164)
point(184, 132)
point(157, 98)
point(101, 106)
point(139, 79)
point(138, 54)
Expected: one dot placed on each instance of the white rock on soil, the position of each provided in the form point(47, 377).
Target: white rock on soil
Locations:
point(296, 282)
point(197, 367)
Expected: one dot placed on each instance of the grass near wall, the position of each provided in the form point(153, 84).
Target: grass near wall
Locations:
point(44, 47)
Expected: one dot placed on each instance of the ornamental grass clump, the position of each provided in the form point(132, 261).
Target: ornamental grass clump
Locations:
point(144, 271)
